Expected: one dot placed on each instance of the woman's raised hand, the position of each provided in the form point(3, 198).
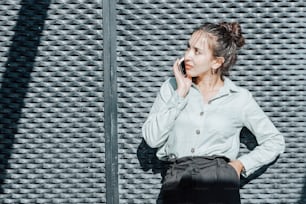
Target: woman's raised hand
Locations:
point(183, 81)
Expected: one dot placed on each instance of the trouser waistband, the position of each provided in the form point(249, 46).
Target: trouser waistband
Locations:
point(199, 158)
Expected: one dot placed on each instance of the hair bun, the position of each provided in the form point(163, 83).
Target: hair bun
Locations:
point(234, 29)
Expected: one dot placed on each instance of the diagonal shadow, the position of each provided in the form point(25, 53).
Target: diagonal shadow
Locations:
point(15, 79)
point(303, 196)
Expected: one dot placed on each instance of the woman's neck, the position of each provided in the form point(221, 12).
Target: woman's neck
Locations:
point(209, 86)
point(211, 82)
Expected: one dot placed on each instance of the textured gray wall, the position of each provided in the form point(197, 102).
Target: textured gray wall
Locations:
point(272, 65)
point(52, 140)
point(51, 102)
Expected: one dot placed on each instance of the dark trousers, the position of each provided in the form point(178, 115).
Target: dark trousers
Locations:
point(200, 180)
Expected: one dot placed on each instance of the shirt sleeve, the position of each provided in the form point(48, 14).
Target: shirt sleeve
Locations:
point(167, 106)
point(270, 141)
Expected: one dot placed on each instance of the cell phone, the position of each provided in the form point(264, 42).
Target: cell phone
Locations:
point(182, 67)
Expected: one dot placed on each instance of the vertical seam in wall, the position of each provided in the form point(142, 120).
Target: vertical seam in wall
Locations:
point(110, 101)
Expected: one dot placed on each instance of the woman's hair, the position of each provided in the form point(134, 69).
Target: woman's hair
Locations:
point(225, 39)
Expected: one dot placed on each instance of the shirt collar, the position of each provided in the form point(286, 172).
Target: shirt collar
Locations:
point(230, 86)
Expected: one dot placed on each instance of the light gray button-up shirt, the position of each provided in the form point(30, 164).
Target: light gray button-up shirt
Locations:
point(181, 127)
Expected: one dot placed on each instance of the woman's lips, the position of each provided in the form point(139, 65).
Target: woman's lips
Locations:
point(188, 66)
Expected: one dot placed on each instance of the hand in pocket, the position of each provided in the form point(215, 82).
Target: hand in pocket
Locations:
point(237, 165)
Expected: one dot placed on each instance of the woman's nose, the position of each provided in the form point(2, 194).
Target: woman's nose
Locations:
point(188, 55)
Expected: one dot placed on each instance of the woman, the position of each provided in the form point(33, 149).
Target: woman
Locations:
point(196, 120)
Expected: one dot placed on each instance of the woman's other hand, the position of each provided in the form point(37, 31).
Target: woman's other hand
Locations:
point(237, 165)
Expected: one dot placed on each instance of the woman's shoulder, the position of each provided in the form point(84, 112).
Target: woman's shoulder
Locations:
point(170, 83)
point(241, 91)
point(244, 91)
point(168, 87)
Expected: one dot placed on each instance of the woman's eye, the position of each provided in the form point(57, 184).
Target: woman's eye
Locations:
point(197, 51)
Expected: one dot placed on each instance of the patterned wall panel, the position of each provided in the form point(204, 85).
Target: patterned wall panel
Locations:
point(51, 102)
point(272, 65)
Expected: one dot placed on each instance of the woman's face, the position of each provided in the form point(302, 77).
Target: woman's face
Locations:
point(199, 58)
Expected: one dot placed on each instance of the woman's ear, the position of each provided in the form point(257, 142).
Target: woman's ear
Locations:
point(217, 62)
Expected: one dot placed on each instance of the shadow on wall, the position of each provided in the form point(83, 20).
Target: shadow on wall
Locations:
point(15, 79)
point(148, 159)
point(303, 198)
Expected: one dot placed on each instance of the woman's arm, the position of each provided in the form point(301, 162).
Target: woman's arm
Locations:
point(270, 141)
point(167, 106)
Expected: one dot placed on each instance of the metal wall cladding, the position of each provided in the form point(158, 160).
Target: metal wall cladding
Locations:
point(51, 102)
point(52, 147)
point(272, 65)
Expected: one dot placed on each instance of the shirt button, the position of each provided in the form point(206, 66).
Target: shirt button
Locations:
point(198, 132)
point(192, 150)
point(201, 113)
